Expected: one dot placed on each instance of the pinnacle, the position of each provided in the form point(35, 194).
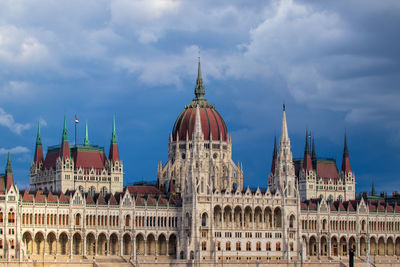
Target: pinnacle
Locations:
point(199, 88)
point(114, 139)
point(8, 167)
point(38, 137)
point(86, 141)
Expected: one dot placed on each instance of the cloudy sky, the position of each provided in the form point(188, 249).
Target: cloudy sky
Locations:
point(334, 63)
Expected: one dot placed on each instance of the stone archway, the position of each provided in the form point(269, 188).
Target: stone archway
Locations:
point(114, 248)
point(397, 246)
point(172, 245)
point(268, 218)
point(353, 244)
point(238, 217)
point(334, 247)
point(77, 244)
point(51, 244)
point(39, 244)
point(277, 217)
point(150, 245)
point(227, 216)
point(127, 243)
point(217, 216)
point(324, 246)
point(381, 246)
point(140, 244)
point(313, 250)
point(90, 245)
point(102, 244)
point(363, 246)
point(27, 239)
point(63, 247)
point(343, 246)
point(372, 246)
point(389, 247)
point(162, 245)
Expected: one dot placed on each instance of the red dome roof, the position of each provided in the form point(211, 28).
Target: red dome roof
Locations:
point(211, 122)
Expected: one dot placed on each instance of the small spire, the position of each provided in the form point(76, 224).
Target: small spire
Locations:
point(284, 133)
point(38, 137)
point(199, 88)
point(373, 193)
point(275, 153)
point(114, 139)
point(8, 167)
point(307, 147)
point(313, 153)
point(86, 141)
point(65, 133)
point(346, 150)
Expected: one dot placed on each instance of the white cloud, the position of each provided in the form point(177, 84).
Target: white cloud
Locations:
point(14, 150)
point(8, 121)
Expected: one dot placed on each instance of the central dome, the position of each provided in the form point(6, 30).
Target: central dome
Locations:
point(212, 124)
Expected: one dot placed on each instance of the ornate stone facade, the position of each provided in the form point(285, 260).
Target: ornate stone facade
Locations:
point(198, 211)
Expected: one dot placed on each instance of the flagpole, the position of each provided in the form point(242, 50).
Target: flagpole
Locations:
point(75, 129)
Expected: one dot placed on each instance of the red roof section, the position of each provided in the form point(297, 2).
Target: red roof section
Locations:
point(38, 154)
point(27, 196)
point(63, 198)
point(327, 170)
point(114, 154)
point(51, 159)
point(89, 199)
point(346, 165)
point(89, 159)
point(143, 190)
point(39, 197)
point(211, 122)
point(51, 198)
point(2, 186)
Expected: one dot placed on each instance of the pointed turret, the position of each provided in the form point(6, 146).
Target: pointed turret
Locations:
point(314, 155)
point(9, 174)
point(373, 192)
point(38, 157)
point(114, 155)
point(274, 157)
point(307, 164)
point(199, 88)
point(346, 160)
point(64, 152)
point(284, 132)
point(86, 141)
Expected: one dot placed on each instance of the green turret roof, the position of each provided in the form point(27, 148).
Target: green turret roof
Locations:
point(38, 137)
point(65, 133)
point(114, 139)
point(86, 141)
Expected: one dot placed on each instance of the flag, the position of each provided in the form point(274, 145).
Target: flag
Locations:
point(76, 119)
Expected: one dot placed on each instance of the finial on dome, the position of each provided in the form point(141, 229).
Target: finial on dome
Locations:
point(199, 88)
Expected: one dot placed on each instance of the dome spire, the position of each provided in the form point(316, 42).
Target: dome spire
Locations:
point(199, 91)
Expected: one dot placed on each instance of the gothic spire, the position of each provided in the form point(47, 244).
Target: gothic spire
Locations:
point(314, 155)
point(284, 133)
point(346, 160)
point(64, 152)
point(199, 88)
point(9, 174)
point(114, 139)
point(307, 164)
point(38, 157)
point(86, 141)
point(114, 154)
point(274, 157)
point(373, 193)
point(38, 137)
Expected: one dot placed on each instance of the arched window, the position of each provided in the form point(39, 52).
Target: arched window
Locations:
point(268, 246)
point(258, 246)
point(340, 198)
point(1, 217)
point(80, 188)
point(204, 219)
point(11, 218)
point(278, 246)
point(103, 191)
point(127, 220)
point(92, 191)
point(204, 245)
point(248, 246)
point(238, 247)
point(228, 246)
point(291, 221)
point(77, 219)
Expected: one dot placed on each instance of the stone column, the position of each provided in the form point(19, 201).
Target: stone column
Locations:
point(121, 246)
point(70, 245)
point(222, 218)
point(84, 246)
point(134, 247)
point(328, 243)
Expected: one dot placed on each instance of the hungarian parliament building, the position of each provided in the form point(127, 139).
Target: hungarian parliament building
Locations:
point(199, 210)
